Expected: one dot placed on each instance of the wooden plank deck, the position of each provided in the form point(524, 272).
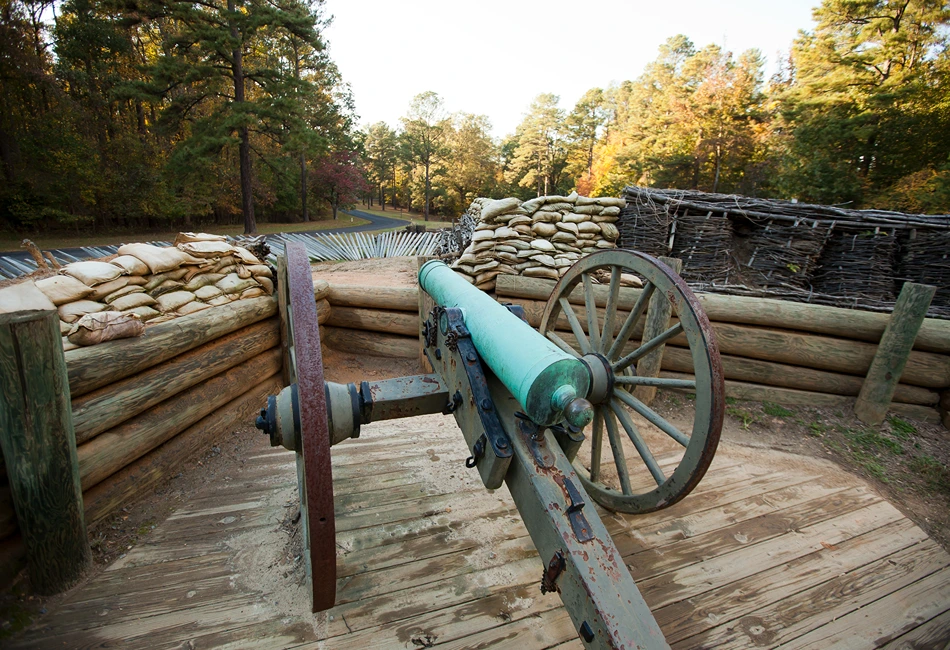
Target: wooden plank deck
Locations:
point(771, 550)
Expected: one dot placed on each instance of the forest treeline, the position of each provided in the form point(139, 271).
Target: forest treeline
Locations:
point(161, 114)
point(858, 114)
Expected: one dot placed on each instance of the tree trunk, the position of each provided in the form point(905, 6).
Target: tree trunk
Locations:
point(237, 68)
point(394, 186)
point(425, 208)
point(303, 187)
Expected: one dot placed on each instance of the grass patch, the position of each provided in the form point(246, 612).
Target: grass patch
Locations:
point(744, 416)
point(11, 241)
point(776, 411)
point(933, 471)
point(901, 429)
point(817, 429)
point(869, 440)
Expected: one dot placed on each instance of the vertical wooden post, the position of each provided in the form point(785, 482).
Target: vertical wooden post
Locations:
point(39, 447)
point(658, 320)
point(287, 368)
point(425, 306)
point(893, 352)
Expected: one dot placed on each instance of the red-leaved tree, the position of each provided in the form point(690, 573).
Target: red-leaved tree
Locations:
point(339, 179)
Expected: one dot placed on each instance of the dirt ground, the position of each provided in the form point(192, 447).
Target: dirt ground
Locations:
point(905, 460)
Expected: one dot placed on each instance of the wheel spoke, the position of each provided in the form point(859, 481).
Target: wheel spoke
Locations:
point(652, 416)
point(597, 443)
point(592, 327)
point(638, 442)
point(613, 297)
point(619, 460)
point(649, 346)
point(628, 326)
point(660, 382)
point(575, 325)
point(561, 343)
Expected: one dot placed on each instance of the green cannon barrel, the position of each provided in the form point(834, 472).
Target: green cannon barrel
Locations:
point(542, 377)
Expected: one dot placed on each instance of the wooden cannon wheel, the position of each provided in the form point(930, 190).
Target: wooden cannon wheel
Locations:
point(613, 481)
point(304, 361)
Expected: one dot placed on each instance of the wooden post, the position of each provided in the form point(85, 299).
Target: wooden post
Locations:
point(39, 447)
point(893, 352)
point(657, 321)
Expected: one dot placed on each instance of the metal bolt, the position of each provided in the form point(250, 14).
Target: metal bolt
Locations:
point(471, 357)
point(486, 404)
point(438, 353)
point(503, 444)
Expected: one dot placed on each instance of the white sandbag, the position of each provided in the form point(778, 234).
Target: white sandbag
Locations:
point(542, 245)
point(73, 311)
point(61, 289)
point(501, 206)
point(105, 326)
point(174, 301)
point(92, 273)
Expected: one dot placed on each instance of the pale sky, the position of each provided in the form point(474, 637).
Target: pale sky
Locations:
point(493, 57)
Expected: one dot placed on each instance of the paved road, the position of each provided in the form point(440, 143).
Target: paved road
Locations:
point(65, 254)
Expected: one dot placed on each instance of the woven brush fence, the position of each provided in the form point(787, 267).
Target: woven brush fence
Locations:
point(924, 256)
point(797, 251)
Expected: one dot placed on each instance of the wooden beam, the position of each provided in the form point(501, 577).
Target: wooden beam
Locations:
point(112, 450)
point(375, 320)
point(934, 335)
point(135, 480)
point(96, 366)
point(396, 298)
point(893, 352)
point(111, 405)
point(371, 343)
point(39, 449)
point(924, 369)
point(657, 321)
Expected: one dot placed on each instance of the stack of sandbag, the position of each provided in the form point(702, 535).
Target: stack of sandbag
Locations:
point(539, 238)
point(156, 283)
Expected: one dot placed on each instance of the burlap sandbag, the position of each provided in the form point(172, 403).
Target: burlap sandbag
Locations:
point(107, 288)
point(61, 289)
point(541, 272)
point(73, 311)
point(206, 249)
point(544, 229)
point(501, 206)
point(124, 291)
point(260, 270)
point(233, 284)
point(144, 312)
point(223, 299)
point(92, 273)
point(132, 265)
point(202, 280)
point(159, 259)
point(253, 292)
point(174, 301)
point(159, 278)
point(192, 307)
point(609, 231)
point(166, 287)
point(245, 256)
point(588, 227)
point(105, 326)
point(207, 293)
point(131, 301)
point(186, 237)
point(266, 283)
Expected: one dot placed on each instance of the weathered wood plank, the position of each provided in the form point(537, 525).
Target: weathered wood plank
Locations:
point(377, 297)
point(932, 634)
point(39, 449)
point(371, 343)
point(109, 452)
point(893, 352)
point(374, 320)
point(657, 321)
point(934, 335)
point(99, 365)
point(111, 405)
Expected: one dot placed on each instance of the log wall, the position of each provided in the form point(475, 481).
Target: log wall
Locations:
point(772, 350)
point(142, 407)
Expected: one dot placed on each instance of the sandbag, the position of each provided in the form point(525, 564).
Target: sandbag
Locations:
point(266, 283)
point(61, 289)
point(105, 326)
point(259, 270)
point(124, 291)
point(174, 301)
point(541, 272)
point(501, 206)
point(192, 307)
point(130, 264)
point(144, 312)
point(186, 237)
point(23, 296)
point(244, 255)
point(202, 280)
point(253, 292)
point(232, 284)
point(131, 301)
point(206, 248)
point(159, 259)
point(208, 292)
point(166, 287)
point(92, 273)
point(73, 311)
point(158, 279)
point(102, 290)
point(223, 299)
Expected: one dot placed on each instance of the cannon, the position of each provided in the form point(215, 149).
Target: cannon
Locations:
point(523, 399)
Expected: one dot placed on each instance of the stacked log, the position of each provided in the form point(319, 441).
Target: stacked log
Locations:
point(377, 321)
point(157, 283)
point(539, 238)
point(143, 406)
